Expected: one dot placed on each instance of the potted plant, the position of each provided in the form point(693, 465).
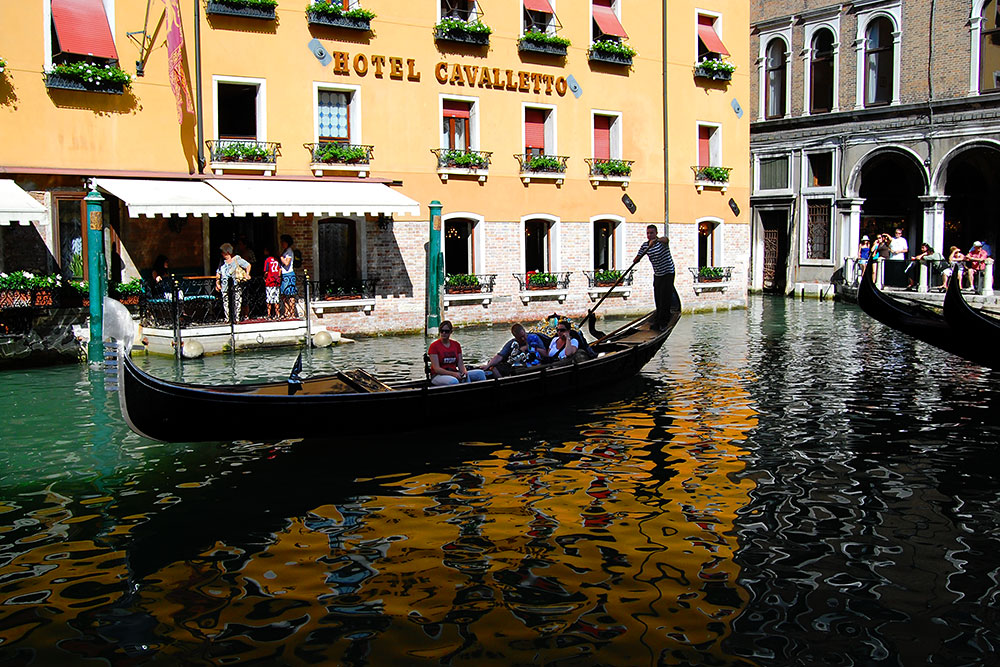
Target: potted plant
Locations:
point(338, 292)
point(542, 280)
point(612, 167)
point(715, 174)
point(43, 289)
point(323, 12)
point(461, 283)
point(606, 277)
point(612, 52)
point(81, 290)
point(235, 151)
point(544, 163)
point(254, 9)
point(128, 293)
point(463, 159)
point(534, 41)
point(339, 153)
point(92, 77)
point(15, 289)
point(710, 274)
point(468, 32)
point(715, 68)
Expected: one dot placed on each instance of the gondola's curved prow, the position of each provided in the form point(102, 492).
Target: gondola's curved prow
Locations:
point(970, 325)
point(120, 329)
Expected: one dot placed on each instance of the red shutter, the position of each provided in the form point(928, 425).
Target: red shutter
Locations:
point(82, 28)
point(602, 137)
point(704, 146)
point(606, 19)
point(708, 36)
point(453, 109)
point(534, 129)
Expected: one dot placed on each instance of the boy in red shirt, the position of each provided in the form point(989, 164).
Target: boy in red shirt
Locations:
point(272, 280)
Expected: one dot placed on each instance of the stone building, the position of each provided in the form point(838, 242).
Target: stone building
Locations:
point(868, 116)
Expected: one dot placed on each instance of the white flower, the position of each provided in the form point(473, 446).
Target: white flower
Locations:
point(28, 274)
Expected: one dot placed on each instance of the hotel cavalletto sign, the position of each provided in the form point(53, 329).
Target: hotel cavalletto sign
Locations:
point(449, 74)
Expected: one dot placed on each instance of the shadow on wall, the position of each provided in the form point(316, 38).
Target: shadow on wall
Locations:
point(22, 248)
point(388, 264)
point(8, 98)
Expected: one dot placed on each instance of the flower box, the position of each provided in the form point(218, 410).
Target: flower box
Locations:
point(703, 72)
point(339, 21)
point(544, 48)
point(44, 296)
point(341, 297)
point(236, 8)
point(15, 298)
point(462, 36)
point(461, 289)
point(61, 82)
point(609, 58)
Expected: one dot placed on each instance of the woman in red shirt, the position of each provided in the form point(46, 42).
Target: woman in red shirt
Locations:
point(447, 365)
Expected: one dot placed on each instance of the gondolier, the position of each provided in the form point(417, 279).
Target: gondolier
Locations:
point(657, 248)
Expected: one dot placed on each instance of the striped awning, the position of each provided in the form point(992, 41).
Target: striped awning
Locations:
point(16, 205)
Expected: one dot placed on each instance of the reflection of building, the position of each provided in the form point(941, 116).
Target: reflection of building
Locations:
point(344, 140)
point(869, 115)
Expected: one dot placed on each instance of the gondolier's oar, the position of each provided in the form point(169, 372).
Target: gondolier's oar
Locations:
point(589, 318)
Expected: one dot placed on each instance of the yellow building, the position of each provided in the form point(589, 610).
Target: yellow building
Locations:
point(547, 157)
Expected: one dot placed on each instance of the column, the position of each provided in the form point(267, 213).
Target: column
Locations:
point(934, 221)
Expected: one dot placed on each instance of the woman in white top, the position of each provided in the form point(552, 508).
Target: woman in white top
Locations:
point(563, 345)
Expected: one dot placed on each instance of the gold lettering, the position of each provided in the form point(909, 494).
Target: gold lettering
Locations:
point(536, 78)
point(456, 75)
point(360, 64)
point(441, 72)
point(522, 81)
point(340, 62)
point(471, 73)
point(379, 62)
point(497, 83)
point(549, 80)
point(561, 85)
point(411, 74)
point(484, 78)
point(395, 67)
point(510, 80)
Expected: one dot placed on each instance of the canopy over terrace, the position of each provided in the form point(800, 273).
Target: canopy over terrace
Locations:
point(239, 197)
point(16, 205)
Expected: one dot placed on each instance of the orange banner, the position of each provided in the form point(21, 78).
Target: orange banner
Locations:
point(175, 60)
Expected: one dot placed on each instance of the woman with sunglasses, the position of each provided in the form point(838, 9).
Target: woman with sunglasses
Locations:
point(447, 365)
point(563, 345)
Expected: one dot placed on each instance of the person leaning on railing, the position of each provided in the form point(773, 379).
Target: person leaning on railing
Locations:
point(232, 267)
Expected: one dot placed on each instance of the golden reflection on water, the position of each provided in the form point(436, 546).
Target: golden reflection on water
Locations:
point(614, 547)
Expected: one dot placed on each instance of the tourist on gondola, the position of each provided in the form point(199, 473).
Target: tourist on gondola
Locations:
point(564, 345)
point(657, 248)
point(447, 365)
point(956, 265)
point(235, 267)
point(522, 351)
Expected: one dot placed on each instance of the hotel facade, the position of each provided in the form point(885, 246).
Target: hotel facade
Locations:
point(551, 133)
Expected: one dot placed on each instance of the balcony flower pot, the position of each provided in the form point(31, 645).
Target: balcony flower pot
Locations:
point(716, 75)
point(540, 42)
point(15, 298)
point(89, 77)
point(251, 9)
point(327, 14)
point(455, 30)
point(611, 53)
point(44, 296)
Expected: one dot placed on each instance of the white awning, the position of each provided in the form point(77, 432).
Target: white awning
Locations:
point(320, 198)
point(16, 205)
point(165, 197)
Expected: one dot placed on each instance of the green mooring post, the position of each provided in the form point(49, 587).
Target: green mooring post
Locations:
point(435, 270)
point(97, 275)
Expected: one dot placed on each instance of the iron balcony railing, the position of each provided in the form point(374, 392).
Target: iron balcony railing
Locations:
point(543, 280)
point(335, 153)
point(451, 158)
point(711, 274)
point(711, 173)
point(535, 164)
point(608, 277)
point(469, 283)
point(243, 151)
point(199, 303)
point(610, 167)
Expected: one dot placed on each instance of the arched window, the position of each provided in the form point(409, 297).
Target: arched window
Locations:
point(821, 74)
point(459, 246)
point(776, 72)
point(878, 62)
point(989, 52)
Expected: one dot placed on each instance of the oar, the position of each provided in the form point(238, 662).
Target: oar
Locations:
point(589, 318)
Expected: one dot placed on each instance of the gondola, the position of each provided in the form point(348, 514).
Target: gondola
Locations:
point(962, 317)
point(923, 323)
point(354, 403)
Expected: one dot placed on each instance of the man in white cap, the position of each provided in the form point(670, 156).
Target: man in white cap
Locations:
point(975, 261)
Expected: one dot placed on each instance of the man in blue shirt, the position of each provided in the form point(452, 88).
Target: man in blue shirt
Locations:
point(524, 350)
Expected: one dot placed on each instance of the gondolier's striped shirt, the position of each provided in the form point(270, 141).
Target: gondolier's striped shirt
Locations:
point(660, 257)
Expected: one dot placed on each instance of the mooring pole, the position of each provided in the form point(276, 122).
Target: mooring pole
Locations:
point(435, 271)
point(309, 337)
point(96, 275)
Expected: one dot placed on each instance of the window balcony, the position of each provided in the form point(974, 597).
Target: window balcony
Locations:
point(714, 69)
point(599, 282)
point(469, 288)
point(536, 285)
point(609, 170)
point(322, 13)
point(340, 295)
point(542, 167)
point(340, 158)
point(706, 176)
point(243, 9)
point(610, 52)
point(243, 155)
point(473, 33)
point(457, 162)
point(711, 278)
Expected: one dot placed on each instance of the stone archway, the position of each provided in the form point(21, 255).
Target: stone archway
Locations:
point(969, 177)
point(891, 182)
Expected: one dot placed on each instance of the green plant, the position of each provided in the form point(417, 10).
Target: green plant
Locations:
point(545, 38)
point(240, 152)
point(478, 27)
point(461, 280)
point(93, 73)
point(330, 9)
point(542, 279)
point(333, 152)
point(718, 174)
point(543, 163)
point(259, 4)
point(607, 275)
point(613, 167)
point(133, 287)
point(711, 272)
point(341, 291)
point(612, 47)
point(28, 280)
point(3, 64)
point(81, 286)
point(460, 158)
point(717, 65)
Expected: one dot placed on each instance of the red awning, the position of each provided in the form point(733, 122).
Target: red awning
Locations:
point(453, 109)
point(708, 37)
point(539, 6)
point(82, 28)
point(608, 22)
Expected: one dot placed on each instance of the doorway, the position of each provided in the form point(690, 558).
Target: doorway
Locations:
point(775, 268)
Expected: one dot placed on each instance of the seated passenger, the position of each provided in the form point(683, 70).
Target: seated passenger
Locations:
point(564, 345)
point(447, 365)
point(522, 351)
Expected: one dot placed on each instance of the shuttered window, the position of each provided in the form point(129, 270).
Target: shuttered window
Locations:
point(773, 173)
point(705, 145)
point(709, 38)
point(602, 137)
point(606, 19)
point(82, 29)
point(455, 124)
point(534, 131)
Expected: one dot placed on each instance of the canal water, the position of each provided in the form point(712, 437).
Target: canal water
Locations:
point(790, 484)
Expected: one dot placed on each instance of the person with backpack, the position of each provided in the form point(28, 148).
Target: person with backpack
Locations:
point(272, 281)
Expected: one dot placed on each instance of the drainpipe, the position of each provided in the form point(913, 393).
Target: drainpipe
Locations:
point(666, 162)
point(197, 87)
